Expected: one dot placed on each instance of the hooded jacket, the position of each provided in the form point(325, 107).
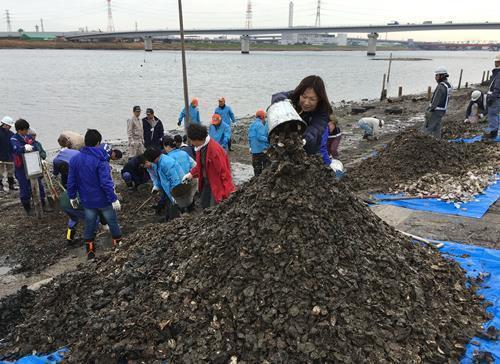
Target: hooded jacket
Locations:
point(194, 115)
point(90, 177)
point(184, 160)
point(136, 169)
point(63, 157)
point(316, 123)
point(217, 171)
point(257, 136)
point(17, 143)
point(5, 146)
point(169, 174)
point(226, 113)
point(221, 134)
point(152, 135)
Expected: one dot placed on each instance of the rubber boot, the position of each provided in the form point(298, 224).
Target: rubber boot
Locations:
point(12, 184)
point(90, 247)
point(117, 241)
point(46, 207)
point(70, 236)
point(130, 186)
point(28, 209)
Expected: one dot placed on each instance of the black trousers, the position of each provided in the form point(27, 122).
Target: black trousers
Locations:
point(206, 198)
point(171, 210)
point(259, 162)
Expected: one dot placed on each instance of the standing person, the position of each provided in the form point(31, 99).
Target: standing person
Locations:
point(169, 175)
point(439, 104)
point(212, 169)
point(153, 129)
point(22, 143)
point(258, 141)
point(135, 173)
point(6, 164)
point(476, 108)
point(227, 116)
point(90, 184)
point(493, 102)
point(135, 133)
point(334, 137)
point(194, 113)
point(311, 102)
point(37, 144)
point(220, 132)
point(371, 127)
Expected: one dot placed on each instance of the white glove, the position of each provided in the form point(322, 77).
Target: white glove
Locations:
point(155, 190)
point(116, 205)
point(28, 148)
point(187, 177)
point(74, 203)
point(337, 165)
point(304, 142)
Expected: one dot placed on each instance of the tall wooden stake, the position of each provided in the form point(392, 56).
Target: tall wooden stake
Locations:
point(460, 79)
point(389, 70)
point(383, 94)
point(187, 117)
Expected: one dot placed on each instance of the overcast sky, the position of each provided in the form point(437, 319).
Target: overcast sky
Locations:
point(66, 15)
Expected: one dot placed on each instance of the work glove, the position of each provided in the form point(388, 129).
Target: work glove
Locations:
point(187, 177)
point(74, 203)
point(116, 205)
point(28, 148)
point(179, 123)
point(155, 190)
point(304, 142)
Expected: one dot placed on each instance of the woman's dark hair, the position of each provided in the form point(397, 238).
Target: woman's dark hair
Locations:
point(168, 141)
point(118, 153)
point(22, 124)
point(92, 138)
point(197, 132)
point(178, 139)
point(317, 84)
point(151, 154)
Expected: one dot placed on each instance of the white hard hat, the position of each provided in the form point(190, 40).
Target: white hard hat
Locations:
point(7, 120)
point(382, 122)
point(441, 71)
point(497, 58)
point(476, 94)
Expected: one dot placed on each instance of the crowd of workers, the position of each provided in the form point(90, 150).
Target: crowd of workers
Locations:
point(179, 166)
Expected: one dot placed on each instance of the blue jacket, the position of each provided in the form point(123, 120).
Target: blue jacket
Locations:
point(5, 147)
point(63, 157)
point(324, 147)
point(257, 136)
point(169, 173)
point(226, 114)
point(153, 138)
point(90, 178)
point(17, 142)
point(316, 123)
point(194, 114)
point(221, 134)
point(184, 160)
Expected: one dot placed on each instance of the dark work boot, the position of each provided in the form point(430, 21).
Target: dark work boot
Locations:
point(130, 186)
point(89, 245)
point(46, 207)
point(12, 184)
point(28, 209)
point(70, 236)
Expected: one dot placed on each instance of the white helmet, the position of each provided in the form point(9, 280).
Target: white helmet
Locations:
point(441, 71)
point(476, 94)
point(7, 120)
point(381, 123)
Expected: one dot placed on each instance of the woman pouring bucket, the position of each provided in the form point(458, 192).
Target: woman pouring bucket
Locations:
point(309, 109)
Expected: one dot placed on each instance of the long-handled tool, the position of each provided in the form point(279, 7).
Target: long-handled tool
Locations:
point(144, 203)
point(50, 183)
point(400, 198)
point(425, 241)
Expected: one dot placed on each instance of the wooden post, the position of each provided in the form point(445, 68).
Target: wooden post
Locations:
point(460, 79)
point(383, 94)
point(466, 85)
point(35, 197)
point(400, 91)
point(482, 80)
point(187, 117)
point(389, 70)
point(487, 76)
point(429, 93)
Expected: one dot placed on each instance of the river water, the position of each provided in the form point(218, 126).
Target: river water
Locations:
point(59, 90)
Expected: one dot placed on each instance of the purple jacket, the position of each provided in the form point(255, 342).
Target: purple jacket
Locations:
point(90, 178)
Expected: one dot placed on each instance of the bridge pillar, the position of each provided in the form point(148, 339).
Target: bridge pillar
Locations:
point(372, 44)
point(148, 44)
point(245, 44)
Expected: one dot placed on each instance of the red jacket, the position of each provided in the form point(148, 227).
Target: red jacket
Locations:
point(218, 172)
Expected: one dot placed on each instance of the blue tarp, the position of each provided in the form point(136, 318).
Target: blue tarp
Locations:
point(475, 261)
point(54, 358)
point(475, 209)
point(471, 140)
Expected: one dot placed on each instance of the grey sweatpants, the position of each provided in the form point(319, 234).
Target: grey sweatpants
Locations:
point(433, 123)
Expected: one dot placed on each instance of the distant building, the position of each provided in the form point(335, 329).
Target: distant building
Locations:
point(314, 39)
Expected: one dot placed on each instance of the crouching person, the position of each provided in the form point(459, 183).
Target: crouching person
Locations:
point(212, 169)
point(22, 143)
point(90, 178)
point(169, 175)
point(135, 173)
